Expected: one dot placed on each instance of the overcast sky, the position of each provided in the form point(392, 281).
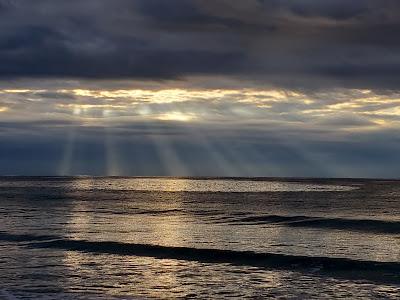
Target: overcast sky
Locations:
point(200, 87)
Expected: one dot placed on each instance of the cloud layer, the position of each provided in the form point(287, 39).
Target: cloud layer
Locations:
point(200, 87)
point(243, 132)
point(306, 43)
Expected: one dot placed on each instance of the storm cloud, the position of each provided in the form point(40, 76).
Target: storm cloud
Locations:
point(297, 44)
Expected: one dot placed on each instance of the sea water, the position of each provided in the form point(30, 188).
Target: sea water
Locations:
point(129, 238)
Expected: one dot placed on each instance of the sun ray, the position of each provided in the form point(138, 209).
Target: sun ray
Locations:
point(68, 154)
point(111, 153)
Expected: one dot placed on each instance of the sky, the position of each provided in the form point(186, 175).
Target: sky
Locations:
point(292, 88)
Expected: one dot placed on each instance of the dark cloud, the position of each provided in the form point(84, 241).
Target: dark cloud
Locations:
point(334, 9)
point(174, 12)
point(303, 44)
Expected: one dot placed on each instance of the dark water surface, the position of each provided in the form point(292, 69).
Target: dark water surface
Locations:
point(122, 238)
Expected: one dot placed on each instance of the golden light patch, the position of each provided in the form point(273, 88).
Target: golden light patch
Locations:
point(308, 101)
point(160, 96)
point(176, 116)
point(17, 91)
point(344, 105)
point(182, 95)
point(394, 111)
point(264, 106)
point(365, 91)
point(3, 109)
point(92, 106)
point(381, 122)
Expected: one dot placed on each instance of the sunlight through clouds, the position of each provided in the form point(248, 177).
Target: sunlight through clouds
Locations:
point(243, 131)
point(204, 105)
point(176, 116)
point(194, 87)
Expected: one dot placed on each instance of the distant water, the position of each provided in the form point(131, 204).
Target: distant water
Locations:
point(123, 238)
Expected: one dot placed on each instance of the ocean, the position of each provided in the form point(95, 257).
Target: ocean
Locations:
point(199, 238)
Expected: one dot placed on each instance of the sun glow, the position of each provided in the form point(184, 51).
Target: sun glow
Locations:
point(176, 116)
point(182, 95)
point(17, 91)
point(202, 105)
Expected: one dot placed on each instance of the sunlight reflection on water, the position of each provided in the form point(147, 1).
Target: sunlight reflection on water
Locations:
point(196, 244)
point(182, 185)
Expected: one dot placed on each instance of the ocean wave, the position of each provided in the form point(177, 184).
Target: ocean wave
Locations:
point(330, 266)
point(363, 225)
